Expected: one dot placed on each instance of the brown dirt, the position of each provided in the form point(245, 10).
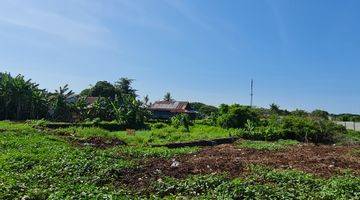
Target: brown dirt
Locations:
point(322, 160)
point(98, 142)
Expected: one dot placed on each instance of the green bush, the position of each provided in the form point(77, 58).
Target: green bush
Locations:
point(110, 126)
point(296, 128)
point(158, 125)
point(236, 116)
point(181, 120)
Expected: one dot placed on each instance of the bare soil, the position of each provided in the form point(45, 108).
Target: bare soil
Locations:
point(320, 160)
point(98, 142)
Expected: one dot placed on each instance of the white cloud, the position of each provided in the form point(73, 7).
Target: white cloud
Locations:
point(29, 16)
point(188, 13)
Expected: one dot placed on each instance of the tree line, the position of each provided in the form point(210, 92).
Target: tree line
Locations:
point(22, 99)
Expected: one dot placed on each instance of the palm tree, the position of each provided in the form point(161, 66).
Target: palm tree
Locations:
point(146, 100)
point(275, 109)
point(168, 97)
point(123, 86)
point(61, 108)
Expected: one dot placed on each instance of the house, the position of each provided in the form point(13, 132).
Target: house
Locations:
point(167, 109)
point(90, 101)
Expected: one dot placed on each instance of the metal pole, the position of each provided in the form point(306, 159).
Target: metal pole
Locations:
point(252, 93)
point(354, 126)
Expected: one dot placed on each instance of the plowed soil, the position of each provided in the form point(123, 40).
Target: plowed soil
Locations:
point(320, 160)
point(98, 142)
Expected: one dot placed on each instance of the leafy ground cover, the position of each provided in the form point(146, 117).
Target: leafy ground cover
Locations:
point(65, 164)
point(266, 145)
point(156, 136)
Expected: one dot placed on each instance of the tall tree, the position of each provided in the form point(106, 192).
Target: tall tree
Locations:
point(168, 97)
point(146, 100)
point(61, 107)
point(102, 89)
point(123, 87)
point(20, 98)
point(275, 109)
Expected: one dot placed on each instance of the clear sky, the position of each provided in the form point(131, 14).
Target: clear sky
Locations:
point(301, 53)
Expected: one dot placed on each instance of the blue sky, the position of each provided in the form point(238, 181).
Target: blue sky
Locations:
point(301, 54)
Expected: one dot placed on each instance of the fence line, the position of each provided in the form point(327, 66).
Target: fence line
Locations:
point(350, 125)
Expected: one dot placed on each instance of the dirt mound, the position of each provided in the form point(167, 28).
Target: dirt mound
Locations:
point(98, 142)
point(321, 160)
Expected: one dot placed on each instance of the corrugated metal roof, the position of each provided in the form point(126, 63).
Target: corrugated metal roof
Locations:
point(91, 100)
point(179, 106)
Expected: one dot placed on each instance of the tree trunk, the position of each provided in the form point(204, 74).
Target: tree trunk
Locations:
point(18, 111)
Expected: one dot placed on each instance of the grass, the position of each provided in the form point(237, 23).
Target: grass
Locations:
point(164, 135)
point(265, 145)
point(40, 165)
point(351, 137)
point(261, 183)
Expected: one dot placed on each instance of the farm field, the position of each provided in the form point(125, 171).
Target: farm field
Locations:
point(92, 163)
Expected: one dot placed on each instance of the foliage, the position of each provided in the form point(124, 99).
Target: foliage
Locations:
point(21, 99)
point(265, 145)
point(299, 113)
point(158, 125)
point(262, 183)
point(41, 165)
point(275, 109)
point(123, 87)
point(295, 128)
point(181, 120)
point(236, 116)
point(62, 109)
point(320, 114)
point(168, 97)
point(204, 110)
point(102, 108)
point(103, 89)
point(347, 117)
point(130, 111)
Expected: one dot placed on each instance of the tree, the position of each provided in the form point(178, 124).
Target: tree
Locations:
point(130, 112)
point(168, 97)
point(123, 87)
point(102, 108)
point(275, 109)
point(320, 114)
point(236, 116)
point(62, 110)
point(300, 113)
point(181, 120)
point(102, 89)
point(21, 99)
point(203, 109)
point(146, 100)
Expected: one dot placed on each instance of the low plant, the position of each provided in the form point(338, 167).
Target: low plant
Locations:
point(265, 145)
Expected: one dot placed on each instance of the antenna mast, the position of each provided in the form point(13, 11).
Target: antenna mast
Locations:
point(252, 93)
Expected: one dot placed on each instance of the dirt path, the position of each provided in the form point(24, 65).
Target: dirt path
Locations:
point(321, 160)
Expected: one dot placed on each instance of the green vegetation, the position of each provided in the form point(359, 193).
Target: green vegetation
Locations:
point(42, 165)
point(38, 164)
point(264, 145)
point(156, 136)
point(261, 183)
point(293, 127)
point(72, 149)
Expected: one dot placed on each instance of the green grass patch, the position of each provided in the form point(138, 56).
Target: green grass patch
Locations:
point(262, 183)
point(266, 145)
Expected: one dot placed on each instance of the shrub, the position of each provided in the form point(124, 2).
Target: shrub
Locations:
point(158, 125)
point(309, 129)
point(236, 116)
point(293, 127)
point(181, 120)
